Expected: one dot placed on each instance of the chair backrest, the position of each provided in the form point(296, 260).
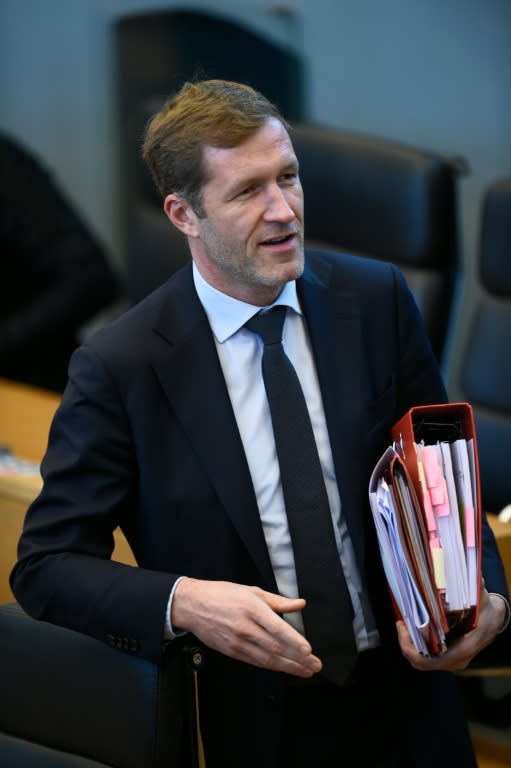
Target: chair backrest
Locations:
point(71, 701)
point(385, 200)
point(485, 371)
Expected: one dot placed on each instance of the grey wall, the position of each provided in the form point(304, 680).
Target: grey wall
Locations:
point(435, 73)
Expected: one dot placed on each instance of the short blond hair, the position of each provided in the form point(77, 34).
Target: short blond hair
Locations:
point(216, 113)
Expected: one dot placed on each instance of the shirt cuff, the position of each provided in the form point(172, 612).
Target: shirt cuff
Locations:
point(168, 630)
point(507, 617)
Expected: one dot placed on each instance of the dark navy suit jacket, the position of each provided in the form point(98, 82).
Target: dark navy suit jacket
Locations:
point(146, 438)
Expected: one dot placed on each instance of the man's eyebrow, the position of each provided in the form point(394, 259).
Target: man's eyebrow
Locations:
point(242, 183)
point(253, 179)
point(292, 162)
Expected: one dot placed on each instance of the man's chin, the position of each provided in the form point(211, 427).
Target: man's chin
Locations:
point(283, 273)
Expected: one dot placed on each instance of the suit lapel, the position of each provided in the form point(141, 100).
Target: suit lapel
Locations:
point(333, 320)
point(191, 377)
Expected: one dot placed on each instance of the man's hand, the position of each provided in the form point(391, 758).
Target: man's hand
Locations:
point(243, 622)
point(461, 652)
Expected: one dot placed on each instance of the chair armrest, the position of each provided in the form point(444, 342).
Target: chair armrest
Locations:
point(71, 692)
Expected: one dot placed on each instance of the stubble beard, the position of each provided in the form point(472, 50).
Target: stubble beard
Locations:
point(245, 270)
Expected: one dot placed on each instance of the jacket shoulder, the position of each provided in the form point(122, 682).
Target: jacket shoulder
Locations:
point(340, 269)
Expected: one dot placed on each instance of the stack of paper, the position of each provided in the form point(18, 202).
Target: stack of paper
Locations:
point(428, 537)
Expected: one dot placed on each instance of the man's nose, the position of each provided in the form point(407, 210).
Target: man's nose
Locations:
point(277, 207)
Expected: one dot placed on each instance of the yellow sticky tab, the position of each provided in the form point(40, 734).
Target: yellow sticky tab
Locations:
point(438, 567)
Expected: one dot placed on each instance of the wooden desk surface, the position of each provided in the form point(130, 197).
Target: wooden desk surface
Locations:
point(25, 417)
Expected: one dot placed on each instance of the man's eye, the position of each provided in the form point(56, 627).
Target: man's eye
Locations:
point(289, 177)
point(246, 191)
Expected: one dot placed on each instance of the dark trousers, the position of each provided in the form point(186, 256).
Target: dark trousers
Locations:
point(361, 725)
point(387, 717)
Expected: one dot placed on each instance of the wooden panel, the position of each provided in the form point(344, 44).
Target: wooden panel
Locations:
point(11, 522)
point(25, 418)
point(12, 515)
point(492, 746)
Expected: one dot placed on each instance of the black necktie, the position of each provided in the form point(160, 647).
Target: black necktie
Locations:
point(328, 615)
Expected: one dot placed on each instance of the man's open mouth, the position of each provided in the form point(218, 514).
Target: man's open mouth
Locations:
point(278, 240)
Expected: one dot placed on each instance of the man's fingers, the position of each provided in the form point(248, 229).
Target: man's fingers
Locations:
point(291, 643)
point(276, 643)
point(278, 603)
point(283, 664)
point(460, 652)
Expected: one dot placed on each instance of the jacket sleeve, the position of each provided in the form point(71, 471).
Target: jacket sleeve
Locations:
point(64, 573)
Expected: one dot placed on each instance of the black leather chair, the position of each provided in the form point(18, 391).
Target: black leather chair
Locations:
point(386, 200)
point(485, 371)
point(70, 701)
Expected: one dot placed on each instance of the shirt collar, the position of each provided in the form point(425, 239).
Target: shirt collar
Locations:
point(227, 315)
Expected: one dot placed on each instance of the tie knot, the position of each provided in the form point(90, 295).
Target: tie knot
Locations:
point(268, 325)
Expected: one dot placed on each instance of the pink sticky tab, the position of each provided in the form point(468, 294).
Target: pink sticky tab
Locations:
point(428, 511)
point(442, 508)
point(430, 463)
point(435, 480)
point(470, 527)
point(437, 495)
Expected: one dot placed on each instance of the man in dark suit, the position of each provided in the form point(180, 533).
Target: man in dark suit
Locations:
point(164, 429)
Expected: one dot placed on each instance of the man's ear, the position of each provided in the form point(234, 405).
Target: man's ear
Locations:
point(181, 214)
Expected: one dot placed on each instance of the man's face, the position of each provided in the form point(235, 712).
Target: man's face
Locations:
point(250, 242)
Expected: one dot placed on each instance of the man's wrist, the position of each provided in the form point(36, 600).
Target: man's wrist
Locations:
point(507, 615)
